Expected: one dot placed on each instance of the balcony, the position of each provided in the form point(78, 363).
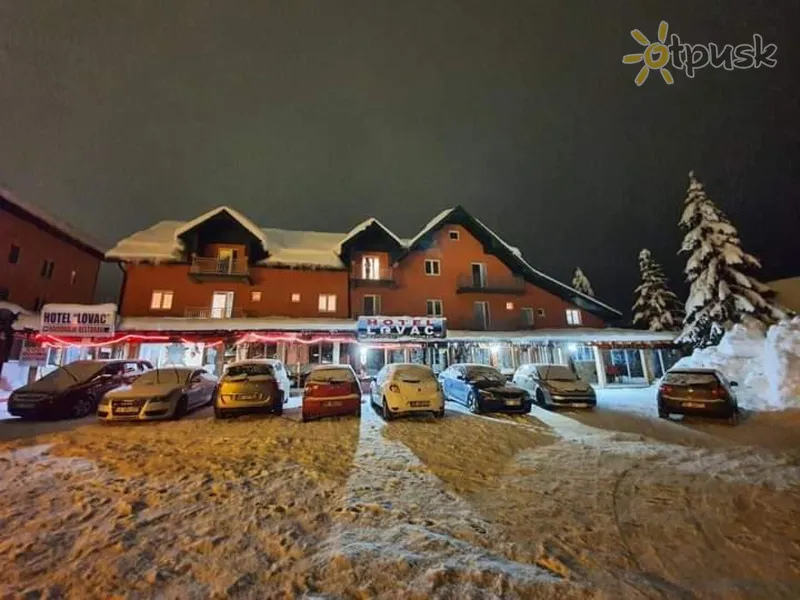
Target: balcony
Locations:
point(467, 284)
point(503, 323)
point(382, 277)
point(205, 312)
point(210, 268)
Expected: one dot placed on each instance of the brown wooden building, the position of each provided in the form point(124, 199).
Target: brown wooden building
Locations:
point(42, 260)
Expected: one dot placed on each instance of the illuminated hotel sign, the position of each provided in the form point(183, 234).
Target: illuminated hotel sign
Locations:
point(401, 327)
point(79, 320)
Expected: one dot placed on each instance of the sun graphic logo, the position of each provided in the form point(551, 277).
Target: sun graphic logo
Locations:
point(655, 55)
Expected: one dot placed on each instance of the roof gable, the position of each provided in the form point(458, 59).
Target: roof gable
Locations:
point(370, 235)
point(246, 223)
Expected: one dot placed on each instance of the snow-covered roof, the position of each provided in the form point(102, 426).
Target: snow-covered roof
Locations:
point(14, 308)
point(243, 221)
point(583, 334)
point(362, 227)
point(168, 324)
point(432, 224)
point(161, 242)
point(60, 225)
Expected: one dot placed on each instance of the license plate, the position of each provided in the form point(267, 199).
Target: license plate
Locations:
point(247, 397)
point(580, 405)
point(512, 402)
point(693, 404)
point(333, 403)
point(419, 403)
point(127, 410)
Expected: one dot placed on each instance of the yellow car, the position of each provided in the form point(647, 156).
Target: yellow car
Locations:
point(249, 386)
point(405, 388)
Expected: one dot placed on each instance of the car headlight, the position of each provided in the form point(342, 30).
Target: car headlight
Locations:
point(486, 393)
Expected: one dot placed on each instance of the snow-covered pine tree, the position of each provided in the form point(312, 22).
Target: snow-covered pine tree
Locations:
point(581, 283)
point(720, 291)
point(656, 308)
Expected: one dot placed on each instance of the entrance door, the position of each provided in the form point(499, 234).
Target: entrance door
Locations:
point(222, 305)
point(226, 259)
point(481, 315)
point(478, 275)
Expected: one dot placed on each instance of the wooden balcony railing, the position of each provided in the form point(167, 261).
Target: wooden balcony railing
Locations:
point(210, 265)
point(467, 284)
point(204, 312)
point(384, 276)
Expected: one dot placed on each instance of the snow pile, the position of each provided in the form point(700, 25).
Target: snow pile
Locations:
point(765, 364)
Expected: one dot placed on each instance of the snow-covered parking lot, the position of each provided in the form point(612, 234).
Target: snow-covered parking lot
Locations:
point(613, 503)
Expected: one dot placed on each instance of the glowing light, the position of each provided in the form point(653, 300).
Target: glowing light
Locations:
point(572, 347)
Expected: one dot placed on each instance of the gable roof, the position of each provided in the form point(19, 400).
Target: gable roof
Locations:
point(49, 223)
point(234, 214)
point(361, 228)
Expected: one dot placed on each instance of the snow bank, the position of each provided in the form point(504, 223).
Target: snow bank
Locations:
point(765, 364)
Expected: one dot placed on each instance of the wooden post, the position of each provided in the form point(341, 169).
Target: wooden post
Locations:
point(600, 367)
point(646, 370)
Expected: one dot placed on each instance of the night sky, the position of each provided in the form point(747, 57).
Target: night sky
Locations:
point(314, 115)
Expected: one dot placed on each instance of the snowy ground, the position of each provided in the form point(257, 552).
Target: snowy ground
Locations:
point(613, 503)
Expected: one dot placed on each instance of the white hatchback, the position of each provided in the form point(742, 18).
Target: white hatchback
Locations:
point(406, 388)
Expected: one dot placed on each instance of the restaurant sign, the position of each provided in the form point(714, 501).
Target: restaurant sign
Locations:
point(79, 320)
point(401, 327)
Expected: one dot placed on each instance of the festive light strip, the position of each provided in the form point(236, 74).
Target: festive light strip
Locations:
point(269, 339)
point(56, 342)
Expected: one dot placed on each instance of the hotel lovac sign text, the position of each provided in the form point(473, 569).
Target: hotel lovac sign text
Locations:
point(79, 320)
point(400, 327)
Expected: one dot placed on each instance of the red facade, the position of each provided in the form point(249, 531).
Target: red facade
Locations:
point(456, 269)
point(41, 263)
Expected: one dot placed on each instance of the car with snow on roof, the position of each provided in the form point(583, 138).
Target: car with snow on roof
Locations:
point(482, 388)
point(249, 386)
point(331, 390)
point(73, 390)
point(406, 388)
point(697, 392)
point(553, 385)
point(165, 393)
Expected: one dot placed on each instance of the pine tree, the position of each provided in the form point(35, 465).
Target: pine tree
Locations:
point(656, 308)
point(720, 291)
point(581, 283)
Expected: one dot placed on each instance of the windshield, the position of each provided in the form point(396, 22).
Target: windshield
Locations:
point(68, 375)
point(484, 374)
point(557, 373)
point(159, 376)
point(331, 375)
point(414, 373)
point(247, 370)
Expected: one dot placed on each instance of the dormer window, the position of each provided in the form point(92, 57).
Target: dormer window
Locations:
point(370, 267)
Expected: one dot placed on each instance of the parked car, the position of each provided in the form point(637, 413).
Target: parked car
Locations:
point(281, 373)
point(405, 388)
point(482, 389)
point(331, 390)
point(248, 386)
point(701, 392)
point(73, 390)
point(552, 385)
point(165, 393)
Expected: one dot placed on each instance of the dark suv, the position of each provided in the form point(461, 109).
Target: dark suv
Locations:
point(73, 391)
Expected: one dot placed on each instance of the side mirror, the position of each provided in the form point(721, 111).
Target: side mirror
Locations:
point(734, 383)
point(460, 377)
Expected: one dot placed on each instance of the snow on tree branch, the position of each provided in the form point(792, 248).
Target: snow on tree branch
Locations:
point(656, 307)
point(581, 283)
point(721, 292)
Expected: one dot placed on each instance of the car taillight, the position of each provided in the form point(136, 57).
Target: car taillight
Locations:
point(717, 392)
point(667, 389)
point(394, 388)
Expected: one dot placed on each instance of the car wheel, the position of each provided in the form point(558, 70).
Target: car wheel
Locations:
point(82, 407)
point(540, 398)
point(473, 403)
point(439, 414)
point(734, 418)
point(662, 414)
point(219, 413)
point(212, 397)
point(180, 408)
point(358, 412)
point(385, 412)
point(278, 410)
point(303, 417)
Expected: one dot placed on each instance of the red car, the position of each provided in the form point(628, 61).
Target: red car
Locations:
point(331, 390)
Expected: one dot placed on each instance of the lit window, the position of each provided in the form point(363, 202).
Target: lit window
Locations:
point(453, 234)
point(509, 306)
point(73, 277)
point(372, 305)
point(370, 267)
point(255, 296)
point(295, 297)
point(161, 300)
point(539, 312)
point(327, 303)
point(573, 316)
point(433, 308)
point(432, 266)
